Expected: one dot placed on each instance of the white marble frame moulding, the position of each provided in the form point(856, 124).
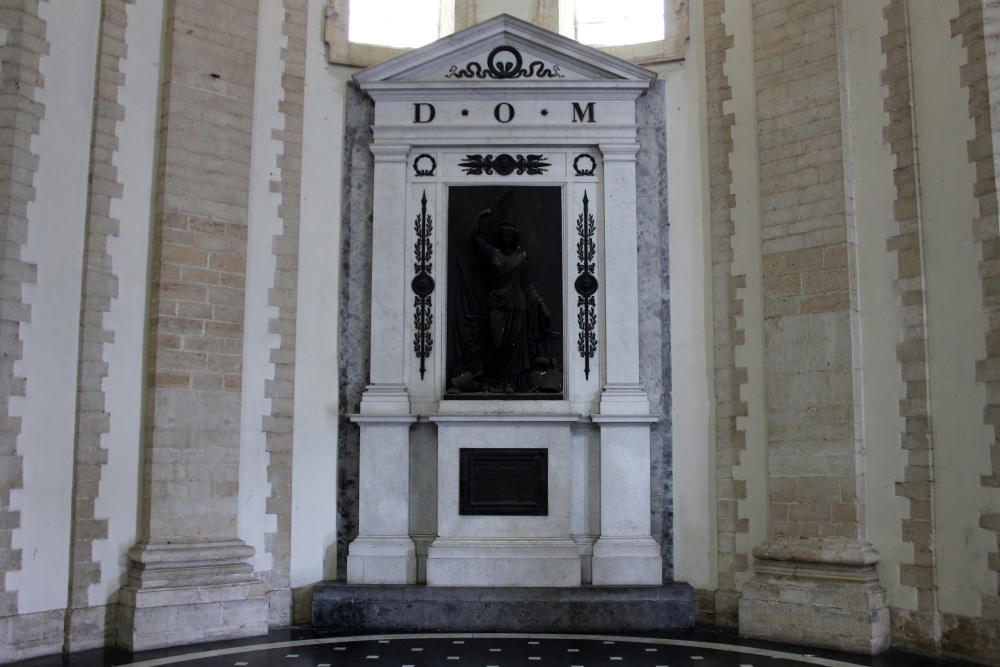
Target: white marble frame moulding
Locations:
point(581, 393)
point(625, 553)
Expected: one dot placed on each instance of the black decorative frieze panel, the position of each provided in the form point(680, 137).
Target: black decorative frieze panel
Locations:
point(586, 286)
point(503, 482)
point(504, 164)
point(508, 67)
point(423, 286)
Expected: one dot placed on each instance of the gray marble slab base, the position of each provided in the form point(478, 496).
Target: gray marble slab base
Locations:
point(346, 607)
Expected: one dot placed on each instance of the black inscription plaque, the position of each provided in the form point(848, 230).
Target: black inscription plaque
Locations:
point(503, 482)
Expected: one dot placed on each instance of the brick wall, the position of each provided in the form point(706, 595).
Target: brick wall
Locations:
point(20, 58)
point(283, 295)
point(964, 637)
point(730, 441)
point(198, 276)
point(809, 259)
point(917, 629)
point(87, 625)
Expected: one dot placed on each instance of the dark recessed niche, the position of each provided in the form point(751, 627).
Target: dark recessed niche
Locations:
point(503, 482)
point(488, 304)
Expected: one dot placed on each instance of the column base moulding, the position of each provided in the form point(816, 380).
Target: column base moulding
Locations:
point(190, 593)
point(385, 399)
point(503, 609)
point(625, 399)
point(820, 603)
point(382, 560)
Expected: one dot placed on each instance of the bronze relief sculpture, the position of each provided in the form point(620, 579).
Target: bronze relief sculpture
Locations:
point(502, 328)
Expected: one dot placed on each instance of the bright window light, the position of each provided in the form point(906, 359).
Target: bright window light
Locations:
point(619, 22)
point(400, 23)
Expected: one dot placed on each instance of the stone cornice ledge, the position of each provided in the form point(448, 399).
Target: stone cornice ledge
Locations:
point(187, 552)
point(506, 418)
point(624, 419)
point(833, 551)
point(383, 419)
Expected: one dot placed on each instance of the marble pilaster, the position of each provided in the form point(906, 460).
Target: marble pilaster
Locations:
point(383, 552)
point(387, 393)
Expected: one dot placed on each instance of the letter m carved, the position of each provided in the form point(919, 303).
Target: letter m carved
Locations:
point(586, 112)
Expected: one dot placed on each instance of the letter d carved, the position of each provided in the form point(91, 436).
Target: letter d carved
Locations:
point(418, 113)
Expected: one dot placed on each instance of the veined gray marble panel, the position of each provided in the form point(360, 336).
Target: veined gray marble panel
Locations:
point(355, 307)
point(503, 609)
point(654, 308)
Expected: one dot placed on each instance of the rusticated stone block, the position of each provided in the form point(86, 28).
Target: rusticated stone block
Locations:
point(30, 635)
point(821, 593)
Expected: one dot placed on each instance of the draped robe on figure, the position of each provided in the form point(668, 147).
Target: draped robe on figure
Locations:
point(506, 311)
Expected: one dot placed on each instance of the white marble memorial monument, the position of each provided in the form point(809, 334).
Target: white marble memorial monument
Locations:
point(505, 107)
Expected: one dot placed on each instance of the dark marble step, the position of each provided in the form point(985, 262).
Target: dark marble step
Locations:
point(339, 606)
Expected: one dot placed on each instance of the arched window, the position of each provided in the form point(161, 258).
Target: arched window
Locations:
point(360, 33)
point(600, 22)
point(396, 23)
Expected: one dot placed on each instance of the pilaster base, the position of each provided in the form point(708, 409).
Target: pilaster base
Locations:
point(624, 399)
point(627, 562)
point(382, 560)
point(190, 593)
point(836, 605)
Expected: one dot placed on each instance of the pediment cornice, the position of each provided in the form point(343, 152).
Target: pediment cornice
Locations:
point(504, 54)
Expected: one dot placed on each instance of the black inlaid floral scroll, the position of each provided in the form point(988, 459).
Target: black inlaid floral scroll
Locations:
point(504, 165)
point(505, 68)
point(423, 286)
point(586, 286)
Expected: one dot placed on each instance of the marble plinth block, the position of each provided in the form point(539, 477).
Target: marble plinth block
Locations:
point(503, 562)
point(504, 550)
point(383, 552)
point(825, 595)
point(188, 593)
point(626, 553)
point(503, 609)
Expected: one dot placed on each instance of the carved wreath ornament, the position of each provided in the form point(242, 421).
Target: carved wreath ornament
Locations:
point(505, 68)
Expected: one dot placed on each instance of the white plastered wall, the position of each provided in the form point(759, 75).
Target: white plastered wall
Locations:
point(874, 194)
point(747, 261)
point(523, 9)
point(51, 339)
point(314, 454)
point(118, 495)
point(693, 410)
point(955, 312)
point(263, 225)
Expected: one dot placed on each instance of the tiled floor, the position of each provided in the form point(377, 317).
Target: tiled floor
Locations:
point(299, 647)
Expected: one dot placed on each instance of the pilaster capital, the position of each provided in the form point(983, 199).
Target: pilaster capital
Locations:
point(389, 152)
point(619, 152)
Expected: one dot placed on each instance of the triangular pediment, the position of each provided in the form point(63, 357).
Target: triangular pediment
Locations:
point(508, 52)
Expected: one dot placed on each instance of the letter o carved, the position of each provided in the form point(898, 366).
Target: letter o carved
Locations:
point(498, 113)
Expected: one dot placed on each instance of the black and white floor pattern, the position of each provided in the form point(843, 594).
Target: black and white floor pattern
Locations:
point(302, 648)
